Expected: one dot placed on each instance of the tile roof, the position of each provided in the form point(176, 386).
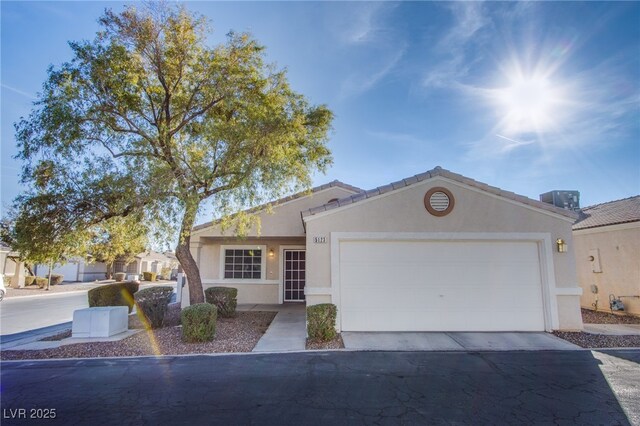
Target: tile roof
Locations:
point(332, 184)
point(611, 213)
point(439, 171)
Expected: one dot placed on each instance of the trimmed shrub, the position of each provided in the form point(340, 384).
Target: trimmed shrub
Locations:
point(172, 316)
point(120, 276)
point(7, 280)
point(321, 321)
point(118, 294)
point(165, 273)
point(56, 279)
point(29, 280)
point(149, 276)
point(152, 304)
point(41, 282)
point(224, 298)
point(199, 322)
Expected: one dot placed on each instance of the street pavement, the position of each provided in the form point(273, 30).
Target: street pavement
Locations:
point(330, 388)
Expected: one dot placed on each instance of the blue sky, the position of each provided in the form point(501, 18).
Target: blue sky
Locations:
point(528, 97)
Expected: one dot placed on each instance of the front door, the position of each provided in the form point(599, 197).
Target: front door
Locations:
point(294, 275)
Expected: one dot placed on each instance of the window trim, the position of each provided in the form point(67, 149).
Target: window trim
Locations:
point(263, 263)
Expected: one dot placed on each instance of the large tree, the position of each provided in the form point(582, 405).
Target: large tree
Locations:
point(118, 239)
point(149, 118)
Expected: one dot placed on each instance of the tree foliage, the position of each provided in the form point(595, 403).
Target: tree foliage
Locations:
point(148, 119)
point(118, 238)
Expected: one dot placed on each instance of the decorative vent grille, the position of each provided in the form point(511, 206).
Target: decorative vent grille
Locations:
point(439, 201)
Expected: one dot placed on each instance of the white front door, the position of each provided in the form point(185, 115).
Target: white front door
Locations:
point(294, 275)
point(419, 285)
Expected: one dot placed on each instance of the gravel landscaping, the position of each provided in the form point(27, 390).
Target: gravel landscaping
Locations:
point(587, 340)
point(239, 334)
point(593, 317)
point(336, 343)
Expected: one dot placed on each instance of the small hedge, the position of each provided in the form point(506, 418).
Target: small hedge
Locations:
point(41, 282)
point(29, 280)
point(223, 298)
point(120, 276)
point(118, 294)
point(152, 304)
point(199, 322)
point(56, 279)
point(321, 322)
point(149, 276)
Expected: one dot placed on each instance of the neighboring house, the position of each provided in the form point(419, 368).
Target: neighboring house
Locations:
point(433, 252)
point(150, 261)
point(607, 248)
point(8, 262)
point(76, 269)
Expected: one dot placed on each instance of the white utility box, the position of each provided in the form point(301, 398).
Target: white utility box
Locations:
point(100, 322)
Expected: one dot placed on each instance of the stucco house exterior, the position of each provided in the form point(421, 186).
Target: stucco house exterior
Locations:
point(607, 248)
point(433, 252)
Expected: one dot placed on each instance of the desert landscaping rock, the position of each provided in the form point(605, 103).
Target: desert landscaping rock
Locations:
point(239, 334)
point(594, 341)
point(593, 317)
point(336, 343)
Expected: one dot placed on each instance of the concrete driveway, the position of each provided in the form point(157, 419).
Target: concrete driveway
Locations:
point(396, 341)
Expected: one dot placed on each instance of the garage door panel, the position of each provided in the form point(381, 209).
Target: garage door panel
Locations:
point(448, 286)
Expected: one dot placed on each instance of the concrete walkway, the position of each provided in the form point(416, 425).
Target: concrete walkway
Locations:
point(613, 329)
point(287, 332)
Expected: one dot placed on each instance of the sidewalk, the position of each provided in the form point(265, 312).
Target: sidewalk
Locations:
point(288, 330)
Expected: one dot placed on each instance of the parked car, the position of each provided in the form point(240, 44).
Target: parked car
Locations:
point(3, 289)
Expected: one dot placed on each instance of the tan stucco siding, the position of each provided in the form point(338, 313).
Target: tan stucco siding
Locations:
point(475, 212)
point(253, 293)
point(619, 252)
point(284, 220)
point(265, 290)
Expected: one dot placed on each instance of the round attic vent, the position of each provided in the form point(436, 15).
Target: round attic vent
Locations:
point(439, 201)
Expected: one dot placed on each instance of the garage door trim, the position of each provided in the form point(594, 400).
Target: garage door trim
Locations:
point(542, 240)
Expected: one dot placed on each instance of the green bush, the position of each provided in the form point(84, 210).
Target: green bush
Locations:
point(166, 273)
point(56, 279)
point(120, 276)
point(152, 304)
point(223, 298)
point(29, 280)
point(149, 276)
point(321, 322)
point(199, 322)
point(118, 294)
point(41, 282)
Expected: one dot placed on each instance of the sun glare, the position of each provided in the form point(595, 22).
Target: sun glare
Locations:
point(528, 103)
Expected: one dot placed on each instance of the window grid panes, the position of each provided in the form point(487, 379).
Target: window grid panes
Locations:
point(243, 264)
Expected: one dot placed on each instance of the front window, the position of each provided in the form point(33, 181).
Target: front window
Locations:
point(243, 264)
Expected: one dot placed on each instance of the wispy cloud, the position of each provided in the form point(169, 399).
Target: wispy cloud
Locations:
point(469, 20)
point(399, 138)
point(364, 32)
point(18, 91)
point(357, 83)
point(362, 22)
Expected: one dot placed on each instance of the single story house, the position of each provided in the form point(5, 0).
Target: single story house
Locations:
point(607, 248)
point(150, 261)
point(433, 252)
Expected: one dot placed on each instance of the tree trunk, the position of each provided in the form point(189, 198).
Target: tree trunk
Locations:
point(50, 272)
point(187, 262)
point(109, 273)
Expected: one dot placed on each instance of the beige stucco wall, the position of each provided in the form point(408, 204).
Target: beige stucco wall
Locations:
point(619, 252)
point(284, 220)
point(475, 211)
point(267, 290)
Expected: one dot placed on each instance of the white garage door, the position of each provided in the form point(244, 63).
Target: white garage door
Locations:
point(440, 286)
